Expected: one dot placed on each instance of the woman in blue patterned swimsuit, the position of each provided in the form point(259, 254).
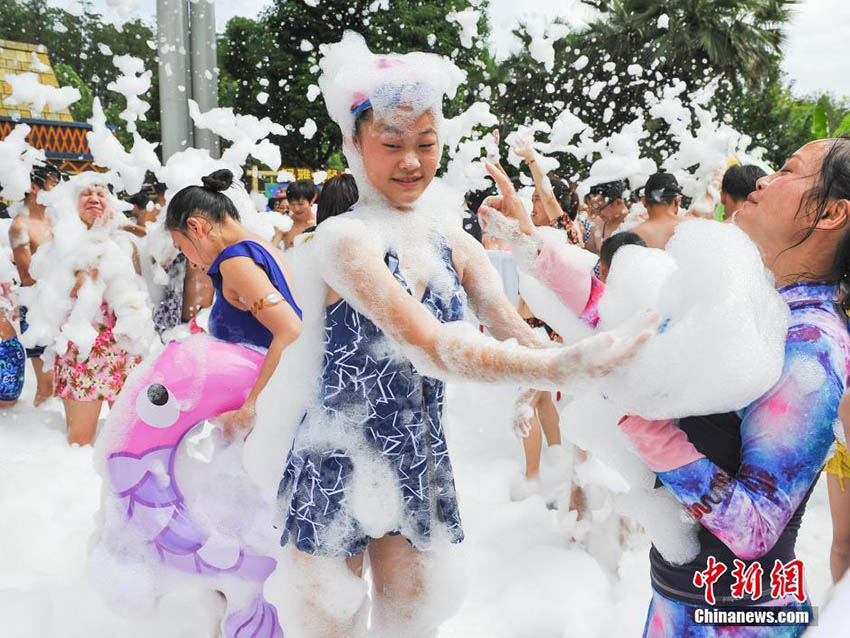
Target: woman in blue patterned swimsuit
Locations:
point(369, 469)
point(12, 363)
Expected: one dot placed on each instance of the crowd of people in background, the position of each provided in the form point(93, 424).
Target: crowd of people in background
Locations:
point(206, 277)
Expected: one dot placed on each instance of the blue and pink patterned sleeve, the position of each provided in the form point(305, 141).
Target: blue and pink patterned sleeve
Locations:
point(785, 438)
point(786, 435)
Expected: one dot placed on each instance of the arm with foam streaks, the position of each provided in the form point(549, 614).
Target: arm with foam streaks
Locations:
point(786, 436)
point(554, 263)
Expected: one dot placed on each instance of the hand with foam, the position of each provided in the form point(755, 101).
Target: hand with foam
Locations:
point(524, 149)
point(599, 355)
point(523, 413)
point(241, 420)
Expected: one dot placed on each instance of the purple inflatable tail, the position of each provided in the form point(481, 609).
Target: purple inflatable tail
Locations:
point(259, 620)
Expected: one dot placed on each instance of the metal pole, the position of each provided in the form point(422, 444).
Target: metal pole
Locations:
point(172, 18)
point(204, 68)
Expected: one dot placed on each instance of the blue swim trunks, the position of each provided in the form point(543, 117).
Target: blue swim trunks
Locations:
point(32, 353)
point(12, 364)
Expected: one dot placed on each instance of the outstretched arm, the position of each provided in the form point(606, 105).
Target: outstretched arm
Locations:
point(525, 150)
point(486, 296)
point(554, 263)
point(353, 265)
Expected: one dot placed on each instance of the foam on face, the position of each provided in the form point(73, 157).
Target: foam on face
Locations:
point(56, 318)
point(399, 88)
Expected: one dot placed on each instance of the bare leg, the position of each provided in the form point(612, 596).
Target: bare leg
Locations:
point(839, 505)
point(44, 381)
point(533, 445)
point(332, 601)
point(81, 417)
point(399, 606)
point(578, 499)
point(547, 414)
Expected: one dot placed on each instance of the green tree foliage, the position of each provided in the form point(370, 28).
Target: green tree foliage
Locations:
point(266, 55)
point(73, 43)
point(631, 50)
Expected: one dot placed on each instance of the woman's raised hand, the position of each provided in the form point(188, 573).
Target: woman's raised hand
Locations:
point(508, 204)
point(524, 149)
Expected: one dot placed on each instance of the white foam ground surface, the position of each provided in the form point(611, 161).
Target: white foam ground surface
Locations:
point(526, 577)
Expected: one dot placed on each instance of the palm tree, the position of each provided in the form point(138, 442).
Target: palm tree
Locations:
point(739, 39)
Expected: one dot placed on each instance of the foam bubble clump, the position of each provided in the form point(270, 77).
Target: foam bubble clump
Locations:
point(351, 72)
point(17, 159)
point(27, 89)
point(58, 318)
point(724, 345)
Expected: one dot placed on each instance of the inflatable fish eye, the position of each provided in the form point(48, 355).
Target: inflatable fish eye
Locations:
point(157, 407)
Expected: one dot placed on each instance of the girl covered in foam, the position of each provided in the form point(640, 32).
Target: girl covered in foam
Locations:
point(369, 469)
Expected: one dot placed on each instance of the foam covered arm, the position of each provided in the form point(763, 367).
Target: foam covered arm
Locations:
point(786, 436)
point(353, 266)
point(486, 295)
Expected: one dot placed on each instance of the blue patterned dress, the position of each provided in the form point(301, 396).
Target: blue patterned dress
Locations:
point(376, 401)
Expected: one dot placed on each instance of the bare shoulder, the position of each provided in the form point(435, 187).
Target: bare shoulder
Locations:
point(20, 222)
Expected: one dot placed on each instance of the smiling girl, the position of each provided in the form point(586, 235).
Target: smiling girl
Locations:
point(369, 469)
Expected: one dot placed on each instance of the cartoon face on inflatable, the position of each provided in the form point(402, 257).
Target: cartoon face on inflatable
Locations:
point(162, 401)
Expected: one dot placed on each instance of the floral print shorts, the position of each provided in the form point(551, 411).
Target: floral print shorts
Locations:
point(102, 375)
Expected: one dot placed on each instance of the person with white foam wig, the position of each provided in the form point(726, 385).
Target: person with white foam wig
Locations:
point(84, 382)
point(369, 469)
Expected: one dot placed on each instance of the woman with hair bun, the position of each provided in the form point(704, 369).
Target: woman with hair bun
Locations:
point(254, 304)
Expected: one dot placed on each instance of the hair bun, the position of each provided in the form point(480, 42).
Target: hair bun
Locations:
point(219, 180)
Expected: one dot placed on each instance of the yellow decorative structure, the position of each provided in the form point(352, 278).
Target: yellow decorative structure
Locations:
point(63, 140)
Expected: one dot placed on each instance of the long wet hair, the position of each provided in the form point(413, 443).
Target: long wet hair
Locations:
point(207, 201)
point(833, 183)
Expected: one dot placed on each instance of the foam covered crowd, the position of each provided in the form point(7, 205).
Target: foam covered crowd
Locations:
point(421, 397)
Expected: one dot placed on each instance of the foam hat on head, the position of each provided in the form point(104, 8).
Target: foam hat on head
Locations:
point(354, 80)
point(660, 185)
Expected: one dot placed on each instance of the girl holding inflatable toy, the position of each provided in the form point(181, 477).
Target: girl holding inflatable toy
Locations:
point(254, 304)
